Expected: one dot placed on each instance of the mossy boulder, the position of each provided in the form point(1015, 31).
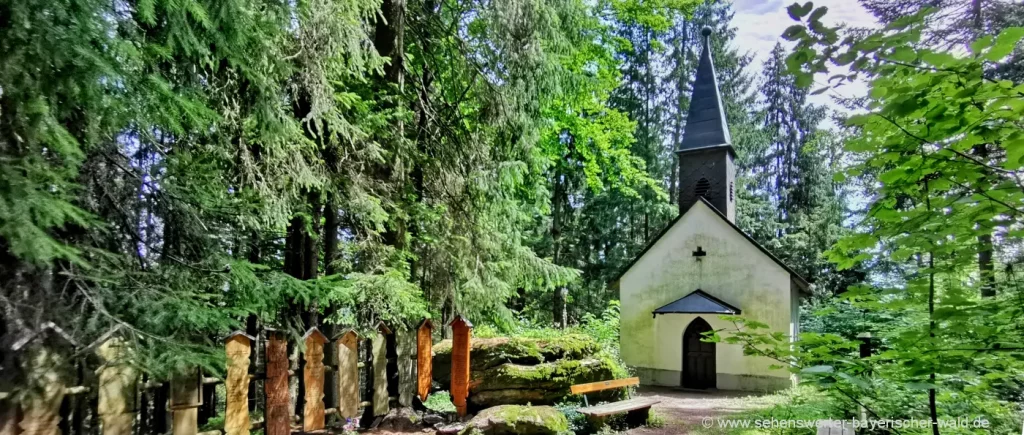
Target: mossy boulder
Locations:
point(486, 353)
point(518, 420)
point(505, 371)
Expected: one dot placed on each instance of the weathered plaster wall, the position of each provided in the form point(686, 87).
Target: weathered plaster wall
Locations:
point(733, 270)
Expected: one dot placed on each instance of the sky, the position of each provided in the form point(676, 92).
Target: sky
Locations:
point(760, 22)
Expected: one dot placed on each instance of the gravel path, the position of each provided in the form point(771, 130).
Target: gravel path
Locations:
point(683, 411)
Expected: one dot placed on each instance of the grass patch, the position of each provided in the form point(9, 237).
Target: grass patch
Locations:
point(654, 419)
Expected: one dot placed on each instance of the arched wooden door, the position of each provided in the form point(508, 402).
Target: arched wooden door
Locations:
point(698, 357)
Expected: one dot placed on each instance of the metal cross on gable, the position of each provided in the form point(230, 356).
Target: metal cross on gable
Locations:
point(699, 252)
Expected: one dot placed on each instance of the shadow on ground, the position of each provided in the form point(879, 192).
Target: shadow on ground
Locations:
point(684, 411)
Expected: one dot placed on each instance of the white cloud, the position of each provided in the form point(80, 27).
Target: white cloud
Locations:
point(760, 23)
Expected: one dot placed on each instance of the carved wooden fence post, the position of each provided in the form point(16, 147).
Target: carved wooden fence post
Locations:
point(347, 349)
point(278, 413)
point(236, 416)
point(380, 362)
point(313, 380)
point(406, 364)
point(424, 358)
point(46, 369)
point(41, 411)
point(461, 332)
point(117, 381)
point(8, 417)
point(186, 398)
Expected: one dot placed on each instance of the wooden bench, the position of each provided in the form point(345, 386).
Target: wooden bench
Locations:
point(636, 409)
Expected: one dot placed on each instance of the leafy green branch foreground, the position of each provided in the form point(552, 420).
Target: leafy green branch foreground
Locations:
point(940, 145)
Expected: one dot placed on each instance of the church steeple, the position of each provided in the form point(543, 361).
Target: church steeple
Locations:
point(706, 166)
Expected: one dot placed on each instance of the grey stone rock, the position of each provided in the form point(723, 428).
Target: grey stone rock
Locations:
point(518, 420)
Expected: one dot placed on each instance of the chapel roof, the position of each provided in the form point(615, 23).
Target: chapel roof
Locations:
point(697, 302)
point(706, 125)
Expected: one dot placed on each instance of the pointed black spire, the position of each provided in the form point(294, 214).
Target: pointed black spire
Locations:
point(705, 122)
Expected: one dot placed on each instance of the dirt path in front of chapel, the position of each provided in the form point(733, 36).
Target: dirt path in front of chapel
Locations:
point(684, 411)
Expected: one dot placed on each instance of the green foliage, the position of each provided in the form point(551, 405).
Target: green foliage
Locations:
point(177, 169)
point(937, 146)
point(655, 420)
point(577, 421)
point(602, 331)
point(440, 402)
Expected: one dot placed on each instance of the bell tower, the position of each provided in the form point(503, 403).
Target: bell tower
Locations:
point(706, 167)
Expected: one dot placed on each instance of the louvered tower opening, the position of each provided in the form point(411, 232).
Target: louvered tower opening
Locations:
point(703, 188)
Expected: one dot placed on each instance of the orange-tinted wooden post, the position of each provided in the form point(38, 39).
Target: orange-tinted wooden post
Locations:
point(424, 358)
point(347, 349)
point(461, 331)
point(380, 364)
point(278, 414)
point(313, 377)
point(236, 416)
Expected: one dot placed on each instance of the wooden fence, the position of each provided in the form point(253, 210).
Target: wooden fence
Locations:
point(357, 379)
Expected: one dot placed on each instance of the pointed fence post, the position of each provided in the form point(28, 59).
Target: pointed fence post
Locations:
point(117, 382)
point(406, 342)
point(380, 362)
point(238, 347)
point(313, 380)
point(424, 358)
point(8, 417)
point(347, 349)
point(461, 332)
point(278, 401)
point(47, 370)
point(186, 398)
point(41, 411)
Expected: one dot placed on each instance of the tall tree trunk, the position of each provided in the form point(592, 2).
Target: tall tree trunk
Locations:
point(331, 225)
point(423, 130)
point(389, 38)
point(932, 405)
point(559, 312)
point(986, 269)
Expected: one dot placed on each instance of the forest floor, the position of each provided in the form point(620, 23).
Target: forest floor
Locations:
point(685, 411)
point(682, 412)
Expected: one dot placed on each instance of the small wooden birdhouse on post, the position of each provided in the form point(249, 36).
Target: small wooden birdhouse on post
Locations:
point(424, 358)
point(347, 380)
point(313, 380)
point(238, 347)
point(461, 332)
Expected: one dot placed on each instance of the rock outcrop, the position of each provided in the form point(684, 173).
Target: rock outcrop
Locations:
point(523, 371)
point(518, 420)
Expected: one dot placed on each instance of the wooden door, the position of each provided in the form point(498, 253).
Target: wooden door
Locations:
point(698, 357)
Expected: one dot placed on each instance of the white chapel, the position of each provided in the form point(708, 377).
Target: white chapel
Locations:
point(702, 266)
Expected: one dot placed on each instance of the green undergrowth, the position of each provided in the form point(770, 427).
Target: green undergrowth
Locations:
point(594, 335)
point(603, 329)
point(440, 402)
